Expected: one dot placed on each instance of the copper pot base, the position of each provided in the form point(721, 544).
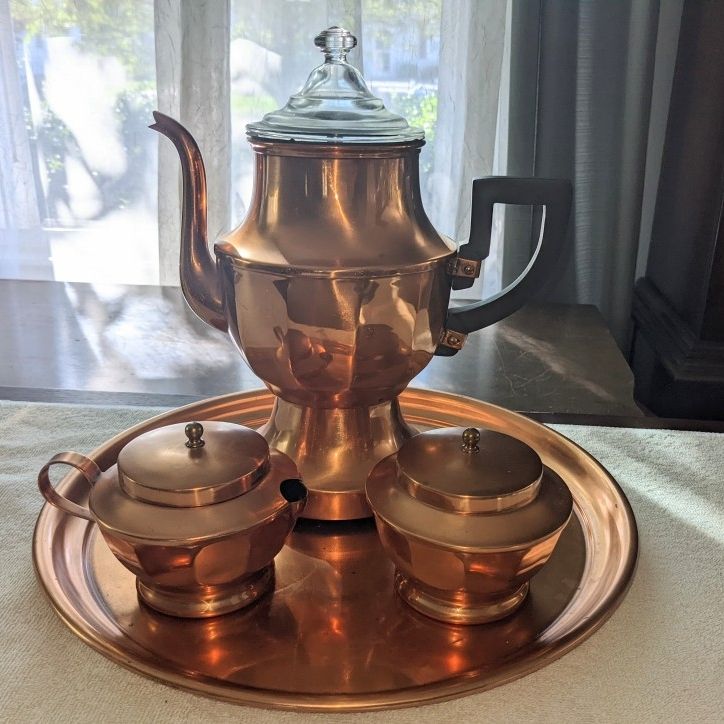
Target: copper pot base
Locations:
point(335, 449)
point(460, 608)
point(210, 600)
point(334, 635)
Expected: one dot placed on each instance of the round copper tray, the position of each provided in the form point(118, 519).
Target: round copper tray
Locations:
point(333, 635)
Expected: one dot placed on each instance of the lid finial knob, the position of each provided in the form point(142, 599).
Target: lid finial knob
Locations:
point(194, 431)
point(471, 438)
point(335, 43)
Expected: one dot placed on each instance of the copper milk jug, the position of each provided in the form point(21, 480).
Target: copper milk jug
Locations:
point(335, 287)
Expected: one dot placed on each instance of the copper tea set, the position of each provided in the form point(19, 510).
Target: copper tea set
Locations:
point(335, 288)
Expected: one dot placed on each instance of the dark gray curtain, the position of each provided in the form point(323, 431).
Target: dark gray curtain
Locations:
point(580, 93)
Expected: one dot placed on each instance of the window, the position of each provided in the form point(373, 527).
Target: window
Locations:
point(265, 70)
point(80, 168)
point(83, 76)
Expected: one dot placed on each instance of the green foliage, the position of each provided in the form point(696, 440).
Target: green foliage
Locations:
point(251, 105)
point(110, 28)
point(55, 137)
point(391, 12)
point(420, 109)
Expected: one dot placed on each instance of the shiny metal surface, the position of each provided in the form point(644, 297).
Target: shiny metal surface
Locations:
point(85, 466)
point(207, 546)
point(468, 516)
point(199, 283)
point(334, 212)
point(211, 600)
point(449, 573)
point(469, 470)
point(336, 288)
point(336, 448)
point(336, 283)
point(501, 531)
point(459, 607)
point(194, 432)
point(165, 468)
point(334, 635)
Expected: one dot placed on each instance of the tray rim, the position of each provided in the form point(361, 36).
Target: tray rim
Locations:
point(542, 653)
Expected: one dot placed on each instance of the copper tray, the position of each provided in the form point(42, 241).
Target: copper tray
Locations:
point(333, 635)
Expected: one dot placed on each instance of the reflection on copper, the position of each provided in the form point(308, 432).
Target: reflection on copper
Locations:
point(200, 284)
point(331, 172)
point(333, 585)
point(321, 442)
point(335, 289)
point(468, 515)
point(191, 561)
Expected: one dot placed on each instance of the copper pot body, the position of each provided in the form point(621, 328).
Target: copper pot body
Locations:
point(335, 290)
point(335, 286)
point(462, 586)
point(192, 562)
point(335, 342)
point(198, 569)
point(468, 519)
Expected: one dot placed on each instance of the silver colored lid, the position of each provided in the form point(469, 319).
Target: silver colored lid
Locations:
point(335, 105)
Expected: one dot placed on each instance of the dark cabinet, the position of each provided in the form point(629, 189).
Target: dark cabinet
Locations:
point(678, 345)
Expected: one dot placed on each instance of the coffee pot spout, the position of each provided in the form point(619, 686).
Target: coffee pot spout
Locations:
point(199, 279)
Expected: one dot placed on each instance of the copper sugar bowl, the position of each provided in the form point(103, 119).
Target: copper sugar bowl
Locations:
point(467, 517)
point(335, 287)
point(197, 513)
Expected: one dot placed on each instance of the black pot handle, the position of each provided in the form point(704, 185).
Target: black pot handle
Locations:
point(555, 195)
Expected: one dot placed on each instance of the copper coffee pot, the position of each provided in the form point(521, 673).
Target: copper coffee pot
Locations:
point(335, 287)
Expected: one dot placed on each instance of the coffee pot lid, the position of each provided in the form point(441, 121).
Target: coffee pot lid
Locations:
point(470, 471)
point(335, 105)
point(193, 465)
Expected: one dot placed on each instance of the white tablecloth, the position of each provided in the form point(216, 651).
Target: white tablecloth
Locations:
point(659, 658)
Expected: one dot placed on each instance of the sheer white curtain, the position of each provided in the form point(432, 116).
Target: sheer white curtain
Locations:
point(471, 54)
point(192, 81)
point(78, 164)
point(420, 54)
point(18, 202)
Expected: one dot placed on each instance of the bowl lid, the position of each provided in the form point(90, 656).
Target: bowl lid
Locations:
point(335, 105)
point(469, 490)
point(470, 470)
point(193, 465)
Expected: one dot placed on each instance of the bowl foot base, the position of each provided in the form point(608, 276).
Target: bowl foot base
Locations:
point(458, 607)
point(207, 601)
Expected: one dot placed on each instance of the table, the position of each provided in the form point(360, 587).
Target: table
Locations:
point(659, 658)
point(94, 343)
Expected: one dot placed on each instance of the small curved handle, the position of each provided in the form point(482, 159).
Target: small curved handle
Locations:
point(555, 195)
point(90, 471)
